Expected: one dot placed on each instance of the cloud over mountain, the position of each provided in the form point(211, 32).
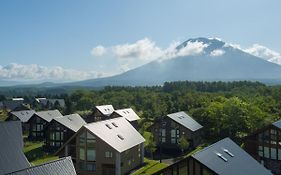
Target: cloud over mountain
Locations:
point(35, 72)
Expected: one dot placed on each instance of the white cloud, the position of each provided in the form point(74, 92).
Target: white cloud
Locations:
point(217, 52)
point(35, 72)
point(265, 53)
point(144, 49)
point(98, 51)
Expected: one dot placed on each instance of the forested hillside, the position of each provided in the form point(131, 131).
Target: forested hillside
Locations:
point(224, 108)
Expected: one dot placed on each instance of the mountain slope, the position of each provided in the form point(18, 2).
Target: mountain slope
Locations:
point(229, 64)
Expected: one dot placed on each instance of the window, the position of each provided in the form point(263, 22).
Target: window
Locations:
point(266, 152)
point(82, 140)
point(91, 140)
point(260, 151)
point(58, 135)
point(163, 140)
point(108, 154)
point(173, 133)
point(82, 153)
point(91, 167)
point(129, 163)
point(173, 140)
point(91, 154)
point(273, 131)
point(273, 153)
point(163, 132)
point(52, 136)
point(279, 154)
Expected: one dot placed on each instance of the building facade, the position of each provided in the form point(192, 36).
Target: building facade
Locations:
point(265, 146)
point(38, 123)
point(170, 129)
point(109, 147)
point(60, 129)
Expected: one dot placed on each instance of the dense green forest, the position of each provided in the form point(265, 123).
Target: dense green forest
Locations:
point(231, 109)
point(224, 108)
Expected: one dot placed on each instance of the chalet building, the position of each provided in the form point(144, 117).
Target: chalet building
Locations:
point(22, 116)
point(63, 166)
point(38, 122)
point(108, 147)
point(49, 103)
point(129, 114)
point(221, 158)
point(168, 131)
point(16, 104)
point(100, 113)
point(265, 146)
point(12, 157)
point(60, 129)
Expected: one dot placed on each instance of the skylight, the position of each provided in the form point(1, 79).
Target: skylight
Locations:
point(120, 137)
point(221, 156)
point(107, 125)
point(227, 152)
point(114, 124)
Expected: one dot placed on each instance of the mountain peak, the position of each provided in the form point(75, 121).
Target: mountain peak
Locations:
point(212, 43)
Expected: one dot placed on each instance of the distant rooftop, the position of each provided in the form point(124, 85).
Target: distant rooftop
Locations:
point(105, 109)
point(128, 113)
point(23, 115)
point(48, 115)
point(73, 121)
point(185, 120)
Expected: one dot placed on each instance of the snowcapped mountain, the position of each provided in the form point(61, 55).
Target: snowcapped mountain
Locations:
point(198, 59)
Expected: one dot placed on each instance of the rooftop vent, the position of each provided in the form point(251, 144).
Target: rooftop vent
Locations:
point(49, 114)
point(70, 119)
point(227, 152)
point(22, 113)
point(221, 156)
point(114, 124)
point(120, 137)
point(107, 125)
point(124, 112)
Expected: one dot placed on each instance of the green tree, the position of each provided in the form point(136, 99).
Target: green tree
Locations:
point(183, 143)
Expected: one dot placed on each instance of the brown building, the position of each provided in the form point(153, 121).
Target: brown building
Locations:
point(129, 114)
point(172, 127)
point(60, 129)
point(221, 158)
point(38, 122)
point(22, 116)
point(108, 147)
point(100, 113)
point(265, 146)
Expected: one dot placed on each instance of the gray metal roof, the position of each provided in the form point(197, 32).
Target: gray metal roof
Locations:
point(277, 124)
point(127, 113)
point(105, 109)
point(117, 132)
point(23, 115)
point(185, 120)
point(12, 157)
point(48, 115)
point(63, 166)
point(73, 121)
point(227, 158)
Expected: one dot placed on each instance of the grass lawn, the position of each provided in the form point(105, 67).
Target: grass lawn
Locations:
point(151, 166)
point(35, 154)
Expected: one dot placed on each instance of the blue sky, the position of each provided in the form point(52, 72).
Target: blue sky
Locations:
point(58, 35)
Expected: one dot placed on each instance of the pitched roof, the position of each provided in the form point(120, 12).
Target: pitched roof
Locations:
point(73, 121)
point(105, 109)
point(277, 124)
point(226, 158)
point(61, 102)
point(185, 120)
point(63, 166)
point(23, 115)
point(127, 113)
point(117, 132)
point(12, 157)
point(48, 115)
